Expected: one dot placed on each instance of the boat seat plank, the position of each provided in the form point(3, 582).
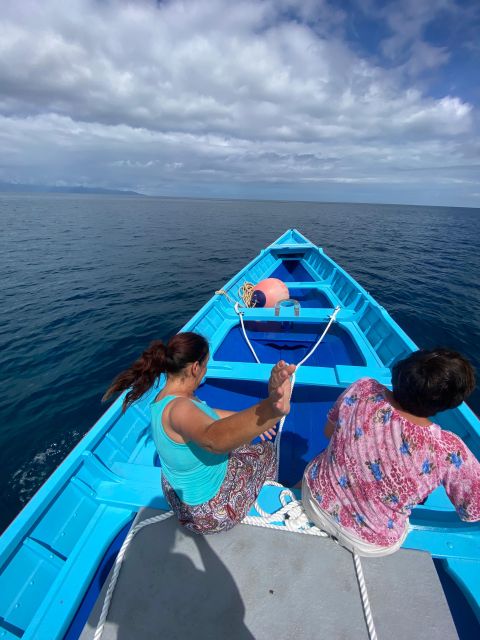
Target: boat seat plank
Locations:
point(260, 583)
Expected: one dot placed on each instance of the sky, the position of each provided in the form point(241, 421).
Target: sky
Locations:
point(347, 101)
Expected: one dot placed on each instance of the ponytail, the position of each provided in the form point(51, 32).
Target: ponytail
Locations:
point(181, 349)
point(141, 375)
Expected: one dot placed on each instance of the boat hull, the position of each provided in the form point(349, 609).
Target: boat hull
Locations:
point(51, 552)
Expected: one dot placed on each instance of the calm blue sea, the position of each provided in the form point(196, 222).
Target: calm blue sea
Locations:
point(88, 281)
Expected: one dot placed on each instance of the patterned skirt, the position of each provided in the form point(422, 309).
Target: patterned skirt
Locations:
point(248, 468)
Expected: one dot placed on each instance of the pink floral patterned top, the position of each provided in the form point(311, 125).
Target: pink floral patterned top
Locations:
point(379, 465)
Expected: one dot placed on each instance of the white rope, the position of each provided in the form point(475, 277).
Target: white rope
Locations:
point(294, 518)
point(240, 314)
point(365, 601)
point(332, 320)
point(333, 317)
point(278, 438)
point(282, 421)
point(315, 531)
point(290, 517)
point(117, 567)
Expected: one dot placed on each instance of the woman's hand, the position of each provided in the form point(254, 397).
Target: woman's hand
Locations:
point(268, 434)
point(279, 387)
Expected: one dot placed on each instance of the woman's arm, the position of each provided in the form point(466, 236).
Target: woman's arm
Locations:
point(223, 413)
point(266, 435)
point(239, 428)
point(328, 429)
point(460, 474)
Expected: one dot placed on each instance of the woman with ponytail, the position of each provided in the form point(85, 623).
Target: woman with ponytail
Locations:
point(211, 474)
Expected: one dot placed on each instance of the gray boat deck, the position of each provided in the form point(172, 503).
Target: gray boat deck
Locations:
point(260, 583)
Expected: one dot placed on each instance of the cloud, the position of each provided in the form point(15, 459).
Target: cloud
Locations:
point(160, 96)
point(408, 20)
point(449, 24)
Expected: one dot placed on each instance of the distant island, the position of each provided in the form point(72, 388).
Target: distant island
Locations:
point(15, 187)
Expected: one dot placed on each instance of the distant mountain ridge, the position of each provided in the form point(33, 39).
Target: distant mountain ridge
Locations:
point(14, 187)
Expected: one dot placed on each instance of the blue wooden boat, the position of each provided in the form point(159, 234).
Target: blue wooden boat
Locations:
point(56, 554)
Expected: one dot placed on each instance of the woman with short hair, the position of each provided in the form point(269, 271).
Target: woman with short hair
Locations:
point(386, 455)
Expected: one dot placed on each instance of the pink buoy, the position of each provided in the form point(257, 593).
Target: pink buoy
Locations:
point(268, 292)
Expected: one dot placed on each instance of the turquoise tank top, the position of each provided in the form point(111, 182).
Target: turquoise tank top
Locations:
point(194, 473)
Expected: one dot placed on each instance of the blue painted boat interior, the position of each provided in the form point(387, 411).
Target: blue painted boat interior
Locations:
point(290, 341)
point(95, 586)
point(302, 436)
point(310, 297)
point(57, 550)
point(292, 271)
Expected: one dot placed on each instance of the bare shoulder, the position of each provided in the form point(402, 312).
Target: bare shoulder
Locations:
point(181, 406)
point(185, 417)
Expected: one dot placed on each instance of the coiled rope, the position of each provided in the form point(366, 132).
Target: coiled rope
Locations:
point(245, 292)
point(291, 515)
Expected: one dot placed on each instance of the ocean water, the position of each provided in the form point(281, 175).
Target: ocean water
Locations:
point(88, 281)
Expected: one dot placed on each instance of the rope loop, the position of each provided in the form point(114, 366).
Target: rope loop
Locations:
point(222, 292)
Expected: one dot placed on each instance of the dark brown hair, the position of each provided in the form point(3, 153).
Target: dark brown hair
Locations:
point(431, 381)
point(171, 358)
